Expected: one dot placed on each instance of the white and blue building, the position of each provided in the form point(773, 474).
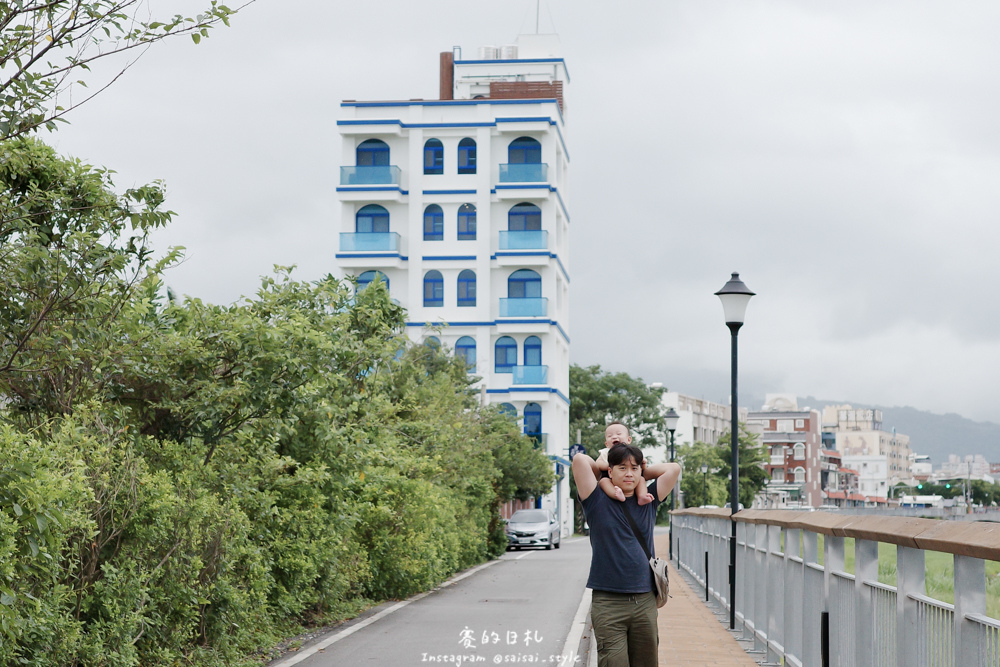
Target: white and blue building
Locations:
point(460, 206)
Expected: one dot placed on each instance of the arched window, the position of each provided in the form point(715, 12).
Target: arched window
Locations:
point(524, 150)
point(372, 218)
point(467, 288)
point(467, 156)
point(508, 409)
point(466, 222)
point(505, 353)
point(433, 289)
point(433, 157)
point(373, 153)
point(800, 452)
point(524, 284)
point(533, 419)
point(369, 277)
point(433, 223)
point(532, 351)
point(524, 217)
point(433, 342)
point(465, 348)
point(800, 475)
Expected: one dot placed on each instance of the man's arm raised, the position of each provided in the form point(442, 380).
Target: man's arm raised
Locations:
point(666, 477)
point(586, 473)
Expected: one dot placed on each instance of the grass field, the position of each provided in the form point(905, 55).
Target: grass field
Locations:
point(939, 577)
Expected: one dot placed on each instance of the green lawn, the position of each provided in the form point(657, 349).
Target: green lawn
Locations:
point(939, 577)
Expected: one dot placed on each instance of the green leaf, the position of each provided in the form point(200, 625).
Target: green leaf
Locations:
point(7, 600)
point(196, 37)
point(17, 510)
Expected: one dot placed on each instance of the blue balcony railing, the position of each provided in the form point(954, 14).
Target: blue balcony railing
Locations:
point(524, 307)
point(524, 173)
point(533, 240)
point(369, 242)
point(530, 374)
point(385, 175)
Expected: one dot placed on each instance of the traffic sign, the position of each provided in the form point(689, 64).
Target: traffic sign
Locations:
point(576, 449)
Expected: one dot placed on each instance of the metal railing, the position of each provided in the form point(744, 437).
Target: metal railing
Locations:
point(785, 593)
point(530, 374)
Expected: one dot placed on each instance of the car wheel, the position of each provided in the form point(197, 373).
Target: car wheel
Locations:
point(548, 547)
point(558, 544)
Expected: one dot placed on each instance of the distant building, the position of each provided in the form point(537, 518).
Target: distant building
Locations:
point(860, 433)
point(873, 475)
point(834, 476)
point(920, 467)
point(700, 420)
point(793, 443)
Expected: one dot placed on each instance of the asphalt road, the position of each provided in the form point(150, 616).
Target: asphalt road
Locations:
point(516, 610)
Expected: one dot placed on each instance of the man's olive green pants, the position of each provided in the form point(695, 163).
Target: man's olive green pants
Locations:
point(624, 629)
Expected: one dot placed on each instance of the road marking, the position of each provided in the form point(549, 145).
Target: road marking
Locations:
point(347, 632)
point(577, 627)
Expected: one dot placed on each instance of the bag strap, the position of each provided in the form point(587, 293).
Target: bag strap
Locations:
point(636, 531)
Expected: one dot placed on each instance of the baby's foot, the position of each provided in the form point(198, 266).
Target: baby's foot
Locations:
point(619, 494)
point(645, 498)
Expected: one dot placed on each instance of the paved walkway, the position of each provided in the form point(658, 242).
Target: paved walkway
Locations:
point(690, 634)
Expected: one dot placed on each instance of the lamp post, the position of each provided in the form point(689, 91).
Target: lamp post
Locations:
point(734, 296)
point(671, 418)
point(704, 483)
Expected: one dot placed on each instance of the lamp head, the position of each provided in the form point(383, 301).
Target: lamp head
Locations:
point(704, 467)
point(671, 418)
point(734, 296)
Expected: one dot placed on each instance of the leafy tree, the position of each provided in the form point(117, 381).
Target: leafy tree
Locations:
point(598, 397)
point(703, 488)
point(47, 46)
point(752, 458)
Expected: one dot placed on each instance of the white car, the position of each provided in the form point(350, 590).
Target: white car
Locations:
point(532, 528)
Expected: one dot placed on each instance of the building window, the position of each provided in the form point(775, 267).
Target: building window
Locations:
point(508, 409)
point(433, 223)
point(433, 157)
point(524, 284)
point(466, 222)
point(369, 277)
point(433, 342)
point(433, 289)
point(372, 219)
point(467, 288)
point(505, 354)
point(532, 419)
point(799, 452)
point(800, 475)
point(524, 217)
point(778, 475)
point(373, 153)
point(524, 150)
point(532, 351)
point(465, 348)
point(800, 423)
point(467, 156)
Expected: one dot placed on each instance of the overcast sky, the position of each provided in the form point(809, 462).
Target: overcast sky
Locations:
point(843, 157)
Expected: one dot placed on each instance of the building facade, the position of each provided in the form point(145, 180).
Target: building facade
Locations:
point(701, 420)
point(860, 433)
point(793, 442)
point(459, 205)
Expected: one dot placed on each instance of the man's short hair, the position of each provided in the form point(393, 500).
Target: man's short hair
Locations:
point(620, 423)
point(622, 452)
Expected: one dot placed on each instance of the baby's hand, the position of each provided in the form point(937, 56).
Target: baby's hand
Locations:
point(602, 463)
point(644, 498)
point(620, 495)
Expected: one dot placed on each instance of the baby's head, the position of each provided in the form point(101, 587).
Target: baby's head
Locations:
point(615, 433)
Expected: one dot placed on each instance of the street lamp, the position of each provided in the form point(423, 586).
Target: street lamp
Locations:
point(704, 483)
point(734, 296)
point(671, 418)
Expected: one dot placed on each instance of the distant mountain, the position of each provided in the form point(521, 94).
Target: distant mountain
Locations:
point(932, 434)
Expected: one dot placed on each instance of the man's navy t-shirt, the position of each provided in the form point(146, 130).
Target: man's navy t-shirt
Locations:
point(618, 563)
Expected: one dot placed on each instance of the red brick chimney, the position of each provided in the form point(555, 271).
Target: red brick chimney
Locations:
point(447, 75)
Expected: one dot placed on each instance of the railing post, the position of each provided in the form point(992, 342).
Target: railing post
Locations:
point(813, 603)
point(775, 595)
point(865, 569)
point(748, 578)
point(833, 561)
point(761, 605)
point(706, 576)
point(794, 592)
point(741, 581)
point(970, 598)
point(909, 581)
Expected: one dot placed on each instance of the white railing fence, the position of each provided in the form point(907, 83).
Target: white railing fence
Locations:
point(803, 613)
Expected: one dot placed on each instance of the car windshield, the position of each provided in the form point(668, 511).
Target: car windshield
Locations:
point(529, 516)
